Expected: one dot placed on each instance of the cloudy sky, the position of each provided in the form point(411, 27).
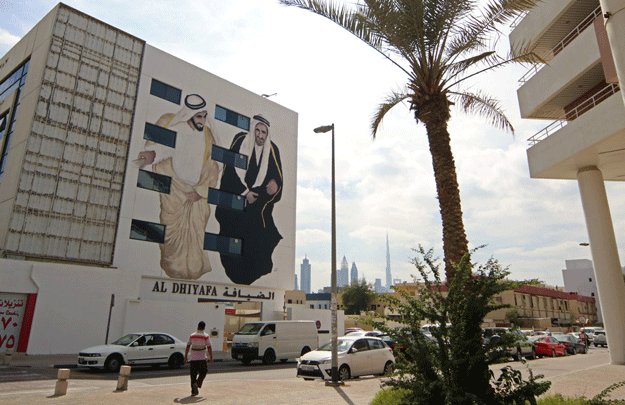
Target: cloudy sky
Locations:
point(384, 185)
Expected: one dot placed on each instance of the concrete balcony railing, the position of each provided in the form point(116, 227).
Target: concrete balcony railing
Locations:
point(588, 104)
point(575, 32)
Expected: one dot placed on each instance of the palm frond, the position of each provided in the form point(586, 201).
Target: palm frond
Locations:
point(462, 66)
point(516, 56)
point(390, 101)
point(475, 31)
point(483, 105)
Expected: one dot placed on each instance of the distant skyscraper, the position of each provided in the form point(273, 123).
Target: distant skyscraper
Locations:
point(379, 288)
point(342, 275)
point(389, 278)
point(305, 275)
point(295, 286)
point(354, 273)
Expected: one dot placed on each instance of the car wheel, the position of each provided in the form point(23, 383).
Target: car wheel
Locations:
point(596, 345)
point(553, 352)
point(113, 363)
point(305, 350)
point(175, 361)
point(246, 361)
point(584, 350)
point(344, 373)
point(283, 360)
point(269, 356)
point(532, 355)
point(389, 367)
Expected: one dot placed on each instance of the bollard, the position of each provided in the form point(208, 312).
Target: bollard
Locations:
point(61, 384)
point(122, 380)
point(6, 358)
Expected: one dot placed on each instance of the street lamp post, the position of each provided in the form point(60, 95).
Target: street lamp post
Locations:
point(333, 305)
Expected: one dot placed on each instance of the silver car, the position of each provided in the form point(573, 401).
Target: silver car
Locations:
point(600, 338)
point(357, 355)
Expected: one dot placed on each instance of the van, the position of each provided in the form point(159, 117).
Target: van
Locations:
point(268, 341)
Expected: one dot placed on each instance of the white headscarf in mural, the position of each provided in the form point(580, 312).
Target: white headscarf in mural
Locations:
point(247, 147)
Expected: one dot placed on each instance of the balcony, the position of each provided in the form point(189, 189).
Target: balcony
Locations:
point(594, 138)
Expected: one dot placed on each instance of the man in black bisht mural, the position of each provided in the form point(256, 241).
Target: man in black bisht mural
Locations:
point(261, 185)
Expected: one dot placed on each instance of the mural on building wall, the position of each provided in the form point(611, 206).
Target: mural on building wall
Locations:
point(185, 210)
point(12, 308)
point(261, 184)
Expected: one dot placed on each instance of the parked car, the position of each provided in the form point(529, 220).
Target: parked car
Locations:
point(600, 338)
point(573, 344)
point(350, 330)
point(548, 346)
point(374, 333)
point(357, 355)
point(523, 347)
point(151, 348)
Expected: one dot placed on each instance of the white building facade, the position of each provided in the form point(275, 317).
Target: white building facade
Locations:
point(135, 192)
point(583, 44)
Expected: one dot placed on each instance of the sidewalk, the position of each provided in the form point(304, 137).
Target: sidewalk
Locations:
point(70, 360)
point(579, 375)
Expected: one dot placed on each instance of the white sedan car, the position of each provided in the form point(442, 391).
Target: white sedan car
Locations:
point(151, 348)
point(357, 355)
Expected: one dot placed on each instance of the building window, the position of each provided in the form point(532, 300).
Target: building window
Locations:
point(147, 231)
point(154, 181)
point(223, 199)
point(160, 135)
point(592, 294)
point(498, 299)
point(289, 301)
point(14, 81)
point(312, 306)
point(325, 306)
point(589, 280)
point(165, 91)
point(232, 118)
point(229, 157)
point(222, 244)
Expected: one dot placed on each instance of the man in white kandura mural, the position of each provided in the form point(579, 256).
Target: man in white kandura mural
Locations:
point(185, 210)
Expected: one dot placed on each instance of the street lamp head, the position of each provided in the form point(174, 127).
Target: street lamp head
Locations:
point(323, 129)
point(584, 244)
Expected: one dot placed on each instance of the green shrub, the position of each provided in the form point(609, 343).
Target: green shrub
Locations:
point(388, 397)
point(454, 369)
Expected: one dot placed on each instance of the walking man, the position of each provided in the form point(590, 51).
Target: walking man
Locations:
point(200, 345)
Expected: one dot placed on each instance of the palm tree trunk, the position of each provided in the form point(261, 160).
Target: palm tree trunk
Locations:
point(435, 116)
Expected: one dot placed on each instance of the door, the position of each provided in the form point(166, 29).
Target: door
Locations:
point(360, 358)
point(139, 352)
point(268, 339)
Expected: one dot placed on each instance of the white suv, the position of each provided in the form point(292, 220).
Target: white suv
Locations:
point(600, 339)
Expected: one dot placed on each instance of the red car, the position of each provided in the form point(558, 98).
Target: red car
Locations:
point(548, 346)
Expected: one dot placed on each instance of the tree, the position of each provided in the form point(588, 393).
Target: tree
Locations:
point(514, 317)
point(357, 297)
point(454, 368)
point(438, 44)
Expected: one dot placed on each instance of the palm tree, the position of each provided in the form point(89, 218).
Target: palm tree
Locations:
point(438, 44)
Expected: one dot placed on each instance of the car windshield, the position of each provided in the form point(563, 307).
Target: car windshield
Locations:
point(126, 340)
point(250, 329)
point(343, 344)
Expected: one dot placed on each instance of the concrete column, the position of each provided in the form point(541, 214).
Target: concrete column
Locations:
point(605, 259)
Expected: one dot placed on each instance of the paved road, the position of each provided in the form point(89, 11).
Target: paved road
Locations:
point(43, 372)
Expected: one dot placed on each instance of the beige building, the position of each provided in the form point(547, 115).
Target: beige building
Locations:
point(578, 92)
